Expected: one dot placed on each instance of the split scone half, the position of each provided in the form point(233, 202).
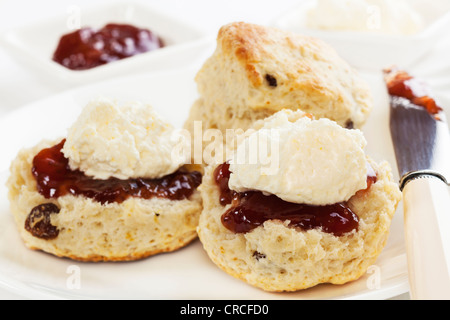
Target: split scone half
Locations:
point(109, 192)
point(257, 71)
point(323, 216)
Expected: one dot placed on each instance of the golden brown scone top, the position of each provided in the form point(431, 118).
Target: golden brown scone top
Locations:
point(253, 44)
point(266, 69)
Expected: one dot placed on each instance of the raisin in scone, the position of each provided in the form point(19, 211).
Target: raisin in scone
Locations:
point(257, 71)
point(323, 216)
point(110, 191)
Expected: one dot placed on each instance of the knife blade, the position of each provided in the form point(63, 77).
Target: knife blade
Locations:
point(421, 140)
point(419, 129)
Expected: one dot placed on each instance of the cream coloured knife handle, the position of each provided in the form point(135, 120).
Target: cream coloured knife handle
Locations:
point(427, 230)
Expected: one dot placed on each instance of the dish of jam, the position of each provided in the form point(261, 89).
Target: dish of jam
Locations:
point(251, 209)
point(87, 48)
point(55, 179)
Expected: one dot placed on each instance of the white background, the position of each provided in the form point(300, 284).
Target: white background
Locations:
point(19, 86)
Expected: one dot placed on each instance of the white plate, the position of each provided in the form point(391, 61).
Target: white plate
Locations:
point(184, 274)
point(376, 51)
point(34, 44)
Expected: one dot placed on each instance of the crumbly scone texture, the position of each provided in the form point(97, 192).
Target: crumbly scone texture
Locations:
point(256, 71)
point(90, 231)
point(277, 258)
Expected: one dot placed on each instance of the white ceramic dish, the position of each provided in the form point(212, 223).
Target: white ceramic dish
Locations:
point(34, 44)
point(187, 273)
point(377, 51)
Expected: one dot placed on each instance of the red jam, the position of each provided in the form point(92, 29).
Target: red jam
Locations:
point(55, 179)
point(251, 209)
point(222, 176)
point(401, 84)
point(87, 48)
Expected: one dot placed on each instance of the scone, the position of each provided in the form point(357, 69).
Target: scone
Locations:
point(110, 191)
point(322, 217)
point(257, 71)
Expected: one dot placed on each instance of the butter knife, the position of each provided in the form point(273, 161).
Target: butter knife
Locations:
point(421, 141)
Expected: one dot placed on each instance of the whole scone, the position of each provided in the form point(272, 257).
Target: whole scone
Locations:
point(256, 71)
point(277, 256)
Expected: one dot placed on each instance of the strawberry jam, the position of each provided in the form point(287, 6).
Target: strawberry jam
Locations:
point(87, 48)
point(401, 84)
point(251, 209)
point(55, 179)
